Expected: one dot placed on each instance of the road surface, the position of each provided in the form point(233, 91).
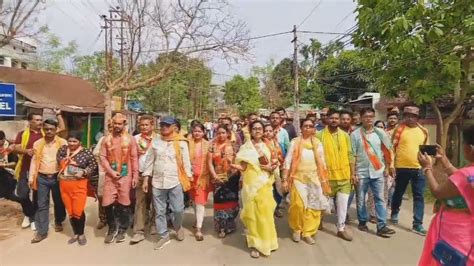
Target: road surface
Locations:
point(404, 248)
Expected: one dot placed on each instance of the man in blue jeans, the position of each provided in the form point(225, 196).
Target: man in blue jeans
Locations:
point(43, 179)
point(407, 138)
point(167, 163)
point(373, 156)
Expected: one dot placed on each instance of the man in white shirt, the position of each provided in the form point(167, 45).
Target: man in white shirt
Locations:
point(167, 163)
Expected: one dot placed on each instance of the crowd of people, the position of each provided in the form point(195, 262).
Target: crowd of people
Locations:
point(254, 168)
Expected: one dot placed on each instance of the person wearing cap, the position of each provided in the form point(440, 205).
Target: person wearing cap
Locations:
point(406, 139)
point(119, 159)
point(168, 165)
point(143, 200)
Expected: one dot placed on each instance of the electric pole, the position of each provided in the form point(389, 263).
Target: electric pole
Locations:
point(296, 116)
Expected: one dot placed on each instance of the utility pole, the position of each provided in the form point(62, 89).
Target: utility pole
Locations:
point(296, 116)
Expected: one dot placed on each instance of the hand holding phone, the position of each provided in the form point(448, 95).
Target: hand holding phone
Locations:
point(428, 149)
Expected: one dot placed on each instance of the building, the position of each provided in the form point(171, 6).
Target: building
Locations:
point(19, 53)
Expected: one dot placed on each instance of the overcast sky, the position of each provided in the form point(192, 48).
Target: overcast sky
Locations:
point(79, 20)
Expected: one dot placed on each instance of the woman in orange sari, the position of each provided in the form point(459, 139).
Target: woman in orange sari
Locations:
point(226, 182)
point(198, 147)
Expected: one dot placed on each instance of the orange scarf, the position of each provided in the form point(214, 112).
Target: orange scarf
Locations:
point(322, 171)
point(203, 179)
point(144, 143)
point(125, 141)
point(374, 159)
point(183, 178)
point(398, 134)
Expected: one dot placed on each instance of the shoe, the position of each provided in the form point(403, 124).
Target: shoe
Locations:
point(38, 238)
point(100, 225)
point(110, 237)
point(153, 230)
point(254, 253)
point(278, 213)
point(120, 237)
point(137, 238)
point(58, 228)
point(385, 232)
point(344, 235)
point(180, 234)
point(309, 240)
point(418, 229)
point(363, 228)
point(33, 226)
point(72, 240)
point(394, 218)
point(26, 222)
point(372, 220)
point(82, 240)
point(162, 242)
point(296, 237)
point(199, 237)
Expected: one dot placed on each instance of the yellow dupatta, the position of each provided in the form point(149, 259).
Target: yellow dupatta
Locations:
point(183, 178)
point(336, 153)
point(25, 138)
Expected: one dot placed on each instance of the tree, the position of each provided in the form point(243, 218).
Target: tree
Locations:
point(243, 94)
point(92, 68)
point(282, 76)
point(422, 49)
point(271, 95)
point(17, 18)
point(54, 56)
point(197, 27)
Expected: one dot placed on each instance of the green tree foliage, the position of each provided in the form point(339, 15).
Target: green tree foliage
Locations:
point(54, 56)
point(244, 94)
point(282, 76)
point(92, 68)
point(422, 49)
point(185, 93)
point(271, 95)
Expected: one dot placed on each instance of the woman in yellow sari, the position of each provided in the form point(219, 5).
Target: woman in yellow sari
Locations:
point(254, 160)
point(305, 177)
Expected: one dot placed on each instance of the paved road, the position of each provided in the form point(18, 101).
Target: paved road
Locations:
point(367, 249)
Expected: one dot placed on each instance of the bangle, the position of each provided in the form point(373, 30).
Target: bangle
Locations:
point(426, 169)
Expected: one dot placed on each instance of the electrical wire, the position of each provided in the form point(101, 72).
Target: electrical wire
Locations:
point(310, 13)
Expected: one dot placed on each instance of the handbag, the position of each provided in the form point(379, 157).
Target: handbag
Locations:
point(446, 254)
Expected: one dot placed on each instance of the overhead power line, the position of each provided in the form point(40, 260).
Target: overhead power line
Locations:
point(310, 13)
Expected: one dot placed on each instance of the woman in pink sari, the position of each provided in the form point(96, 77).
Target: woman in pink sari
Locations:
point(450, 239)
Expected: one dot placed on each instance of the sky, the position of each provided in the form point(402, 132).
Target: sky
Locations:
point(79, 20)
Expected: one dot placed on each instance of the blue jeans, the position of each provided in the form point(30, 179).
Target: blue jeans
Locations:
point(417, 179)
point(45, 186)
point(377, 187)
point(175, 198)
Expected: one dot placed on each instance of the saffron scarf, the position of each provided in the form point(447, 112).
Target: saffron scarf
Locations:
point(397, 134)
point(321, 168)
point(336, 153)
point(125, 140)
point(183, 178)
point(369, 150)
point(203, 179)
point(25, 138)
point(39, 155)
point(144, 143)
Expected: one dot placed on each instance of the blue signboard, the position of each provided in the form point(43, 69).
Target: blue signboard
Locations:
point(7, 99)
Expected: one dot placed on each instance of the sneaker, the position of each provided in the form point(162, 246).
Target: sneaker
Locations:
point(180, 234)
point(110, 237)
point(26, 222)
point(33, 226)
point(82, 240)
point(162, 242)
point(344, 235)
point(296, 237)
point(137, 238)
point(363, 227)
point(120, 237)
point(385, 232)
point(38, 238)
point(418, 229)
point(394, 218)
point(309, 240)
point(58, 228)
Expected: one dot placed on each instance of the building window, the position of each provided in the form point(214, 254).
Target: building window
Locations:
point(14, 63)
point(24, 65)
point(2, 60)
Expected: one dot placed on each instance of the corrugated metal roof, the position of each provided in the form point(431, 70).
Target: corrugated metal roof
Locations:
point(45, 89)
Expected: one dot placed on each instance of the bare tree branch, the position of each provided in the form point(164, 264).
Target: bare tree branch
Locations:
point(16, 17)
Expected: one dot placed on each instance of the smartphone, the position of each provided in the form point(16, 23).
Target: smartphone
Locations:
point(428, 149)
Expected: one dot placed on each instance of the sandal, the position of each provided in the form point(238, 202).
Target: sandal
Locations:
point(222, 234)
point(199, 236)
point(72, 240)
point(254, 253)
